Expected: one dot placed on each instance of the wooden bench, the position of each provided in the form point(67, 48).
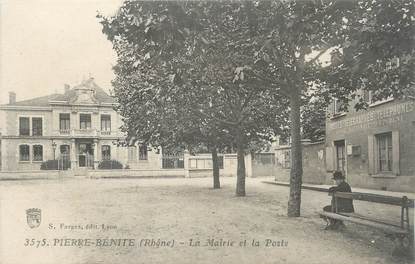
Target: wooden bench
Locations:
point(401, 232)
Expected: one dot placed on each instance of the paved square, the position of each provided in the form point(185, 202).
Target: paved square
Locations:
point(176, 221)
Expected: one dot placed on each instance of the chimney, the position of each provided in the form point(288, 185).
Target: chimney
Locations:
point(12, 97)
point(67, 87)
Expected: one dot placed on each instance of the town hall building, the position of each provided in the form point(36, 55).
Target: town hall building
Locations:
point(79, 126)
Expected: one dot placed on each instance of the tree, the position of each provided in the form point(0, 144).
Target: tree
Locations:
point(313, 118)
point(294, 30)
point(208, 69)
point(290, 32)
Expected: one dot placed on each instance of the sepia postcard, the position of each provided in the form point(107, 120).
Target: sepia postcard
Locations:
point(207, 131)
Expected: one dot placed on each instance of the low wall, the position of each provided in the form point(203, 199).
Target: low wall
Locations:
point(200, 173)
point(314, 171)
point(203, 173)
point(35, 175)
point(160, 173)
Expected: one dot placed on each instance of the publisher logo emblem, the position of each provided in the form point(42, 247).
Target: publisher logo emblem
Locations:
point(34, 217)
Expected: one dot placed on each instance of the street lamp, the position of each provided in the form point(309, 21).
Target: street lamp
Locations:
point(54, 149)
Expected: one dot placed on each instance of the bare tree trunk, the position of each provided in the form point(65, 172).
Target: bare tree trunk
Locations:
point(240, 174)
point(215, 161)
point(296, 172)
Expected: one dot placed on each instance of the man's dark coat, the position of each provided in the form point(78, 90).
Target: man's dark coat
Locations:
point(343, 205)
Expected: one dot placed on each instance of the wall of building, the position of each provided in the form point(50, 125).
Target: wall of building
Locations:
point(10, 154)
point(359, 130)
point(11, 119)
point(263, 164)
point(314, 171)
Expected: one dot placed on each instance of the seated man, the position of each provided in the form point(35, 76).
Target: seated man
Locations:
point(343, 204)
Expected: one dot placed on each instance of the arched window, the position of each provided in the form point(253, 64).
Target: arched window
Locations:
point(37, 153)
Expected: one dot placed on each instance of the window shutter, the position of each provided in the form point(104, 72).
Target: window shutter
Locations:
point(329, 159)
point(371, 154)
point(395, 152)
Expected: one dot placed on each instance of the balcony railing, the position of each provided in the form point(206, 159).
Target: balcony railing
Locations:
point(86, 133)
point(64, 131)
point(105, 133)
point(24, 132)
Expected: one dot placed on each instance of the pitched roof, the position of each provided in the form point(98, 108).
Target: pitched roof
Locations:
point(100, 95)
point(37, 101)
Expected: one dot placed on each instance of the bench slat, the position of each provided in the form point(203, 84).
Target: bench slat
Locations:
point(382, 221)
point(376, 198)
point(384, 227)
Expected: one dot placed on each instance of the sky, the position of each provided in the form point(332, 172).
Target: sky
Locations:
point(45, 44)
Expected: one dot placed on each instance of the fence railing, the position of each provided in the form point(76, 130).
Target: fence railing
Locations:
point(204, 162)
point(172, 162)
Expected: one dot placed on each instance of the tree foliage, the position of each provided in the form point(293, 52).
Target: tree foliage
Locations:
point(192, 70)
point(184, 74)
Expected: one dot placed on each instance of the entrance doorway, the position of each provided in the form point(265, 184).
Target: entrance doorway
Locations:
point(86, 155)
point(340, 156)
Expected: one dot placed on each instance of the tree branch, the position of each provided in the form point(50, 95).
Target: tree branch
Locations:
point(318, 56)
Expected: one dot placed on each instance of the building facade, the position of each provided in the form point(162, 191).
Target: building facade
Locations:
point(374, 148)
point(78, 127)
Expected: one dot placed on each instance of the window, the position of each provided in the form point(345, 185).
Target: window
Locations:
point(132, 153)
point(24, 153)
point(24, 126)
point(372, 102)
point(106, 152)
point(385, 157)
point(105, 123)
point(64, 122)
point(338, 107)
point(36, 126)
point(142, 152)
point(37, 153)
point(85, 121)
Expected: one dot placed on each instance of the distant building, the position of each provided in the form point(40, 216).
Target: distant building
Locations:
point(374, 148)
point(78, 126)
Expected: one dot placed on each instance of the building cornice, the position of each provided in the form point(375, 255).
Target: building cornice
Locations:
point(25, 107)
point(50, 108)
point(59, 137)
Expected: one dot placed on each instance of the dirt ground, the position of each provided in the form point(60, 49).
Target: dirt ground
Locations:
point(153, 221)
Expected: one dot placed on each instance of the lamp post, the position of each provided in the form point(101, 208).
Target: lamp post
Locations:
point(54, 149)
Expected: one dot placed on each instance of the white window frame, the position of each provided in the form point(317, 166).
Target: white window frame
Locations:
point(377, 161)
point(79, 120)
point(100, 119)
point(373, 154)
point(334, 112)
point(372, 104)
point(70, 120)
point(30, 124)
point(18, 125)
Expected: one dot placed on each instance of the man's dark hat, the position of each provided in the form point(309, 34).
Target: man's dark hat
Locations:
point(338, 175)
